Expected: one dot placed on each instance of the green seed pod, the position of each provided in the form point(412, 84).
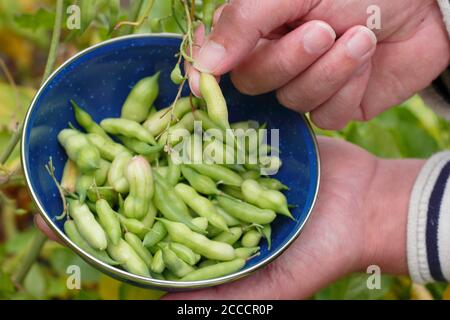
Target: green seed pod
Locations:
point(127, 128)
point(246, 212)
point(128, 258)
point(157, 265)
point(158, 122)
point(267, 233)
point(215, 271)
point(230, 236)
point(229, 219)
point(132, 225)
point(199, 182)
point(94, 194)
point(207, 263)
point(250, 175)
point(173, 263)
point(233, 191)
point(184, 253)
point(80, 150)
point(272, 184)
point(149, 219)
point(174, 173)
point(70, 176)
point(201, 205)
point(74, 235)
point(109, 221)
point(140, 147)
point(155, 235)
point(86, 224)
point(139, 248)
point(274, 200)
point(178, 131)
point(198, 243)
point(162, 171)
point(200, 222)
point(218, 173)
point(108, 149)
point(215, 101)
point(176, 75)
point(85, 120)
point(116, 174)
point(246, 253)
point(141, 98)
point(140, 178)
point(251, 239)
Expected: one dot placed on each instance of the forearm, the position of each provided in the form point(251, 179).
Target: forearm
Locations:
point(388, 204)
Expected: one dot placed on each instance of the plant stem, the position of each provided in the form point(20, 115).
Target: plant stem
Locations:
point(30, 256)
point(39, 239)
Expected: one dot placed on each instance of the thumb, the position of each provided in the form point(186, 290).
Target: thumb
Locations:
point(239, 28)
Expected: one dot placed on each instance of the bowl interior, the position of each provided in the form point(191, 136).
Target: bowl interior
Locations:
point(99, 80)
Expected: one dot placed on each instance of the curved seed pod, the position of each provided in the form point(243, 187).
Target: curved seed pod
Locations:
point(272, 184)
point(85, 120)
point(86, 224)
point(218, 173)
point(230, 236)
point(267, 233)
point(274, 200)
point(109, 221)
point(176, 132)
point(184, 253)
point(215, 101)
point(141, 98)
point(229, 219)
point(108, 149)
point(202, 206)
point(198, 243)
point(157, 264)
point(170, 205)
point(80, 150)
point(140, 178)
point(246, 253)
point(116, 174)
point(127, 128)
point(251, 174)
point(161, 170)
point(173, 263)
point(72, 232)
point(246, 212)
point(132, 225)
point(200, 222)
point(149, 219)
point(199, 182)
point(216, 270)
point(158, 122)
point(233, 191)
point(155, 235)
point(207, 263)
point(139, 248)
point(174, 173)
point(140, 147)
point(251, 239)
point(128, 258)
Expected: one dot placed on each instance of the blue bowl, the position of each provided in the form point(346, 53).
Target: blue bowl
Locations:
point(99, 79)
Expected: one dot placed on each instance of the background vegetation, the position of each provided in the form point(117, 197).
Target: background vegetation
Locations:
point(409, 130)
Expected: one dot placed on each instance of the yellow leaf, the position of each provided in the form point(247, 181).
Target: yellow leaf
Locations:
point(419, 292)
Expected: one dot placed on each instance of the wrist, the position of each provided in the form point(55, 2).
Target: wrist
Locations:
point(387, 204)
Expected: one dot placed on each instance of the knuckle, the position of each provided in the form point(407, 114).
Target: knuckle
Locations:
point(243, 84)
point(287, 99)
point(327, 73)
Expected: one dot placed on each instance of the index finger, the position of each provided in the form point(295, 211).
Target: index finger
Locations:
point(240, 26)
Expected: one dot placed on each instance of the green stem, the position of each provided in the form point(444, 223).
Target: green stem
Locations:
point(39, 239)
point(136, 9)
point(31, 254)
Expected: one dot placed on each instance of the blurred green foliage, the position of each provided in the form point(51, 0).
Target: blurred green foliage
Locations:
point(409, 130)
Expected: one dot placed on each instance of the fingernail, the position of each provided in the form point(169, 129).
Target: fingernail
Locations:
point(361, 43)
point(210, 56)
point(318, 38)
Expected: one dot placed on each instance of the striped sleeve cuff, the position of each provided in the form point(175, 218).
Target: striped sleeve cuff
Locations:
point(428, 244)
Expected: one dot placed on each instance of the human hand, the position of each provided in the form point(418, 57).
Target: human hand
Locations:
point(289, 46)
point(359, 220)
